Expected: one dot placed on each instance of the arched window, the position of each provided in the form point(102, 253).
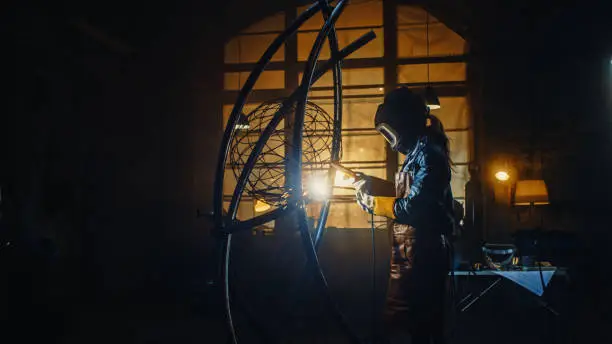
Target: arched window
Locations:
point(363, 85)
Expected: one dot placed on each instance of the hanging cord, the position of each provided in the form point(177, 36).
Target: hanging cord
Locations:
point(374, 334)
point(427, 38)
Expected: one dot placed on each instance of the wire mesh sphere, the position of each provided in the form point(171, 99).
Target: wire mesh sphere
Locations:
point(267, 181)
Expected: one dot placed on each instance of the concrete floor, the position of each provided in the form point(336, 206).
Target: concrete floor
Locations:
point(265, 268)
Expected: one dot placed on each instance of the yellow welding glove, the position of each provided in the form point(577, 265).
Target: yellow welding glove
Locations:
point(377, 205)
point(383, 206)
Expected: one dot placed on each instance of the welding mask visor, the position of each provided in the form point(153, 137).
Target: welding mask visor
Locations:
point(387, 131)
point(401, 119)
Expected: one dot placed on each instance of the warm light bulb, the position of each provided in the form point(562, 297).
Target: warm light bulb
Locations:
point(343, 179)
point(318, 188)
point(433, 107)
point(261, 206)
point(502, 176)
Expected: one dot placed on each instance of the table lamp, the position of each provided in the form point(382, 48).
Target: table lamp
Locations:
point(530, 192)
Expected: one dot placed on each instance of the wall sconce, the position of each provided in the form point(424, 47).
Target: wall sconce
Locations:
point(531, 192)
point(502, 175)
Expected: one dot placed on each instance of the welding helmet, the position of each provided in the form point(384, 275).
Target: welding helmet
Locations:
point(401, 119)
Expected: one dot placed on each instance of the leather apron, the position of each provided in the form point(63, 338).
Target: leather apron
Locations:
point(415, 295)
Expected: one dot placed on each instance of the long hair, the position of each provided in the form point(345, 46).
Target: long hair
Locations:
point(435, 132)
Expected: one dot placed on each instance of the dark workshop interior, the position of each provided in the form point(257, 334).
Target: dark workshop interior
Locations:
point(142, 202)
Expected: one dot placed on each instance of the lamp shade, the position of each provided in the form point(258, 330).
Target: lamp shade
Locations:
point(431, 98)
point(531, 192)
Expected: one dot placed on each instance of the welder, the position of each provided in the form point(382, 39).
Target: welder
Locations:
point(421, 210)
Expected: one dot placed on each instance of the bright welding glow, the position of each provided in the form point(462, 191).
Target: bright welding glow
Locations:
point(502, 176)
point(343, 179)
point(318, 188)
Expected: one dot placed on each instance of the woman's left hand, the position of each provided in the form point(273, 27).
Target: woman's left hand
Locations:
point(362, 193)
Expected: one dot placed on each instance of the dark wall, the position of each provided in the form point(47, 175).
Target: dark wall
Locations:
point(107, 122)
point(537, 76)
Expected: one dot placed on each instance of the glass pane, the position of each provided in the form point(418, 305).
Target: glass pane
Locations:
point(359, 14)
point(267, 80)
point(345, 37)
point(305, 42)
point(453, 113)
point(412, 40)
point(452, 71)
point(459, 145)
point(374, 48)
point(359, 113)
point(408, 15)
point(248, 49)
point(363, 148)
point(315, 22)
point(273, 23)
point(444, 41)
point(364, 91)
point(352, 77)
point(460, 176)
point(347, 92)
point(356, 113)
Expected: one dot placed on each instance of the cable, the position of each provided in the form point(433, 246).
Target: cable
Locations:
point(373, 278)
point(228, 309)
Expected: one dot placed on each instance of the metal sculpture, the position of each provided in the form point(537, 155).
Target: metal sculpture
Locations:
point(288, 197)
point(267, 182)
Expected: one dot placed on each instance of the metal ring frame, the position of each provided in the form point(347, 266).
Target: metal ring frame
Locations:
point(227, 224)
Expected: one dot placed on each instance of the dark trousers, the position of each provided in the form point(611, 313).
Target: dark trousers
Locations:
point(416, 293)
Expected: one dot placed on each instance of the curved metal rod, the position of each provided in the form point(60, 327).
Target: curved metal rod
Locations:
point(260, 220)
point(295, 161)
point(239, 105)
point(224, 149)
point(296, 164)
point(337, 132)
point(335, 151)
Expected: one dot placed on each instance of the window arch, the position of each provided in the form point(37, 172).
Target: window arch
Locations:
point(363, 85)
